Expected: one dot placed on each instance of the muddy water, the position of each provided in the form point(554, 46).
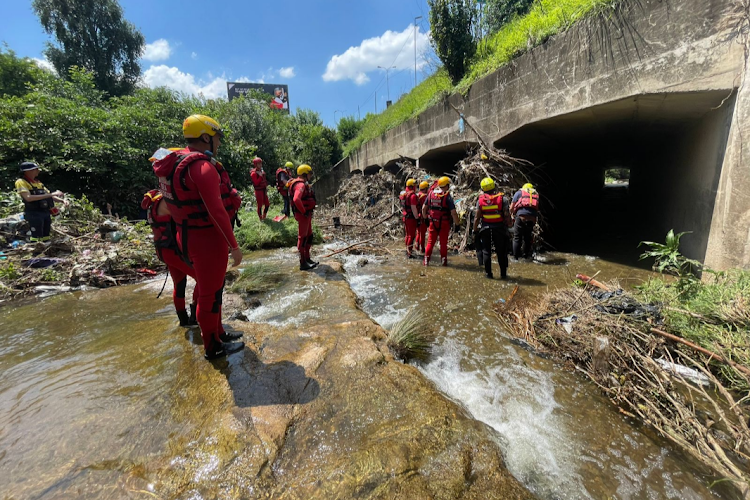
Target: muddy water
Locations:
point(104, 397)
point(560, 437)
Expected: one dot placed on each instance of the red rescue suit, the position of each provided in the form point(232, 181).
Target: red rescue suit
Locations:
point(258, 177)
point(439, 206)
point(423, 223)
point(165, 241)
point(303, 204)
point(408, 200)
point(202, 203)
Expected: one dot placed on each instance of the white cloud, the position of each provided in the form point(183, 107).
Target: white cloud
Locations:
point(171, 77)
point(287, 72)
point(157, 51)
point(44, 64)
point(194, 56)
point(390, 49)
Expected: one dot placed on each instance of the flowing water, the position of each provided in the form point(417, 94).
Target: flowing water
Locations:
point(102, 393)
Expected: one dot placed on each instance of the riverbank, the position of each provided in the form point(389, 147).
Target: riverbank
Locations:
point(673, 354)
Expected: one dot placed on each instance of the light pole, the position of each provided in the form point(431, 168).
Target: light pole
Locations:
point(415, 48)
point(337, 111)
point(387, 85)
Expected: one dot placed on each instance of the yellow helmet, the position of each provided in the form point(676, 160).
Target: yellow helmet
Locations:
point(289, 164)
point(411, 182)
point(304, 169)
point(195, 126)
point(444, 181)
point(487, 184)
point(424, 185)
point(527, 186)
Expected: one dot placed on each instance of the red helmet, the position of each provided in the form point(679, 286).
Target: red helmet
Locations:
point(257, 160)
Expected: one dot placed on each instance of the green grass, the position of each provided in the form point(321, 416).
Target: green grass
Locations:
point(256, 234)
point(544, 19)
point(412, 337)
point(714, 313)
point(256, 277)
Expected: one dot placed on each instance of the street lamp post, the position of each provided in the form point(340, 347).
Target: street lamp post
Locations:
point(334, 114)
point(387, 84)
point(415, 48)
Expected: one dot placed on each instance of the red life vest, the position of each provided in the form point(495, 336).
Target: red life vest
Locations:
point(280, 185)
point(491, 207)
point(437, 205)
point(421, 197)
point(405, 199)
point(528, 200)
point(162, 226)
point(308, 195)
point(261, 183)
point(186, 206)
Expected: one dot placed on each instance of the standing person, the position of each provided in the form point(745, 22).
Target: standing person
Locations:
point(525, 208)
point(203, 203)
point(492, 215)
point(441, 209)
point(283, 176)
point(258, 177)
point(165, 241)
point(303, 204)
point(423, 223)
point(409, 215)
point(38, 202)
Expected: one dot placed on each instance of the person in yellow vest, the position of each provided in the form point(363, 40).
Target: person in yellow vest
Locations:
point(38, 202)
point(492, 220)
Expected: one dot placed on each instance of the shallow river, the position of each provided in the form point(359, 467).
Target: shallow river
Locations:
point(102, 392)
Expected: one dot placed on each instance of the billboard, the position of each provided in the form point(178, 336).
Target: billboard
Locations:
point(280, 93)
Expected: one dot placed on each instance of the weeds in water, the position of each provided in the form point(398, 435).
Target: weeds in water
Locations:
point(256, 234)
point(255, 278)
point(9, 272)
point(412, 337)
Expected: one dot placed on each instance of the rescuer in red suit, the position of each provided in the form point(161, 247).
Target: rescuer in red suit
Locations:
point(258, 177)
point(440, 208)
point(303, 204)
point(423, 223)
point(409, 215)
point(202, 203)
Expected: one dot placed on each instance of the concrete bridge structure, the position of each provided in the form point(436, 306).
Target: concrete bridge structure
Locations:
point(656, 86)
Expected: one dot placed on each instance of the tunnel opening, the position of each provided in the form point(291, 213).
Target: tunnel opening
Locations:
point(443, 160)
point(670, 148)
point(372, 169)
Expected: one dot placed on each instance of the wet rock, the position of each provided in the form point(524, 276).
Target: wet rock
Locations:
point(363, 262)
point(238, 316)
point(253, 303)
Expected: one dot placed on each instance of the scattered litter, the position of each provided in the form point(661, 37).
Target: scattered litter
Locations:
point(684, 371)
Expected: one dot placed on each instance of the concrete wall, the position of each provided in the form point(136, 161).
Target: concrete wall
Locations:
point(327, 186)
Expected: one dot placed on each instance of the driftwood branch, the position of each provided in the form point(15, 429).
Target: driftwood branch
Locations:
point(345, 249)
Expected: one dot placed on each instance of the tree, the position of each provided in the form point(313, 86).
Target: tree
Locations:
point(16, 73)
point(501, 12)
point(451, 24)
point(349, 128)
point(92, 34)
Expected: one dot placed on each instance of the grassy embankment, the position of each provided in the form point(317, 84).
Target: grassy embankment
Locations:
point(546, 18)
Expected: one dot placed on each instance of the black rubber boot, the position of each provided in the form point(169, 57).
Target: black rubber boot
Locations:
point(184, 319)
point(222, 349)
point(488, 275)
point(193, 317)
point(503, 274)
point(312, 263)
point(229, 336)
point(305, 266)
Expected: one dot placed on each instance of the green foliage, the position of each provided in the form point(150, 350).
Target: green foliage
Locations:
point(256, 277)
point(715, 315)
point(258, 234)
point(500, 12)
point(17, 74)
point(348, 128)
point(412, 337)
point(11, 203)
point(9, 272)
point(93, 34)
point(315, 144)
point(50, 275)
point(668, 258)
point(545, 18)
point(451, 23)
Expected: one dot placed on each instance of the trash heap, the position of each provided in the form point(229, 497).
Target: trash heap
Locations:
point(688, 394)
point(85, 249)
point(367, 207)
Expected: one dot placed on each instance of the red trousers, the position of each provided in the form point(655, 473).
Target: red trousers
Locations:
point(261, 199)
point(179, 271)
point(421, 233)
point(411, 232)
point(209, 253)
point(304, 236)
point(439, 229)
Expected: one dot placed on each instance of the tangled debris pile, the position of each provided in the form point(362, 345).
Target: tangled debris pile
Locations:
point(85, 248)
point(686, 392)
point(368, 206)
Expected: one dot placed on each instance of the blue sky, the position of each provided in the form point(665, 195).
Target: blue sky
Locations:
point(327, 51)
